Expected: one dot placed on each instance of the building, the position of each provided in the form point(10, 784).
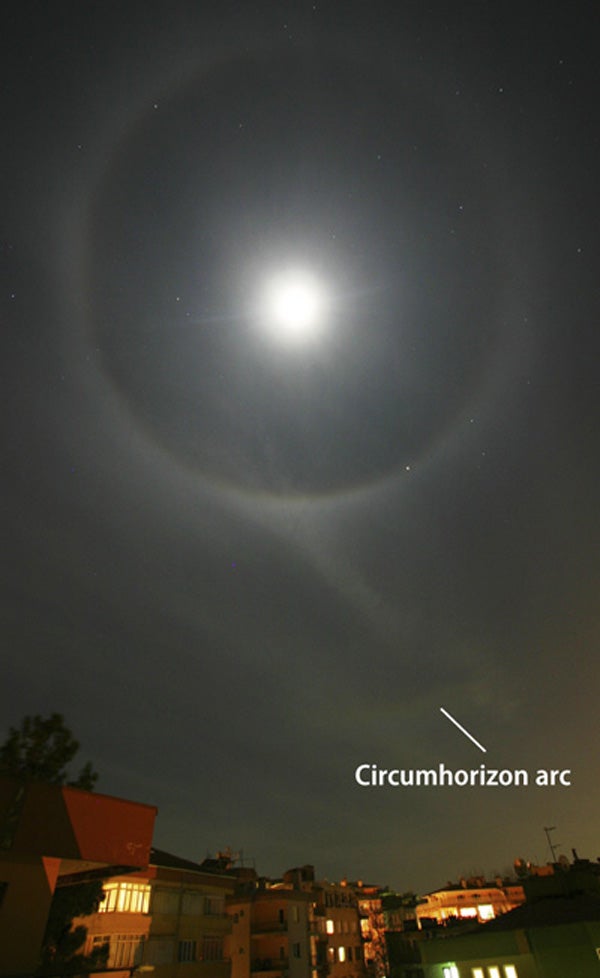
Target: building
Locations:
point(345, 954)
point(170, 918)
point(273, 932)
point(51, 836)
point(295, 927)
point(382, 912)
point(550, 939)
point(471, 899)
point(554, 934)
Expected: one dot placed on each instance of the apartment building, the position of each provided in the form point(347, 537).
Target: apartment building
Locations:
point(170, 918)
point(53, 836)
point(271, 933)
point(338, 903)
point(471, 899)
point(295, 927)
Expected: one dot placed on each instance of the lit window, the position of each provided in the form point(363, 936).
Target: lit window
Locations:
point(124, 950)
point(451, 971)
point(125, 898)
point(341, 954)
point(477, 973)
point(468, 912)
point(493, 972)
point(485, 911)
point(510, 971)
point(330, 927)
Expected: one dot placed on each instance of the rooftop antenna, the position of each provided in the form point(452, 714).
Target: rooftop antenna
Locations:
point(552, 846)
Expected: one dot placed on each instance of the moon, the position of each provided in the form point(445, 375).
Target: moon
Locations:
point(294, 306)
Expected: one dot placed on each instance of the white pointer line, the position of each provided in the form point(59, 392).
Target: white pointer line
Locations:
point(461, 728)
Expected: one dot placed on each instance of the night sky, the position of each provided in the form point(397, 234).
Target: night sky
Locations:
point(241, 566)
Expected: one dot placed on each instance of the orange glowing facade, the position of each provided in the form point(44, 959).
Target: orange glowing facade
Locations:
point(475, 900)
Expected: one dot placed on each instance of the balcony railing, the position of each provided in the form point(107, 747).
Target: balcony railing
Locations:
point(269, 927)
point(269, 965)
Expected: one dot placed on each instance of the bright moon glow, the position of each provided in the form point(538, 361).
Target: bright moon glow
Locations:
point(294, 306)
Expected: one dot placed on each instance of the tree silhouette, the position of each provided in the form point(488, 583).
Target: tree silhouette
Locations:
point(62, 946)
point(41, 750)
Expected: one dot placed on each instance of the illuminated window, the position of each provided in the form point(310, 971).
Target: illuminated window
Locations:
point(468, 912)
point(493, 972)
point(485, 911)
point(330, 927)
point(125, 898)
point(124, 950)
point(341, 954)
point(477, 973)
point(510, 971)
point(451, 971)
point(331, 954)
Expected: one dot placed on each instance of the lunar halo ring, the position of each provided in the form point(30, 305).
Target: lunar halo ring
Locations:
point(76, 259)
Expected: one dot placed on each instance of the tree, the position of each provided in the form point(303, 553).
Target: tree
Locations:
point(41, 750)
point(61, 948)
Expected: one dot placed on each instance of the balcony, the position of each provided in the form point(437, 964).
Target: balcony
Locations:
point(269, 965)
point(269, 927)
